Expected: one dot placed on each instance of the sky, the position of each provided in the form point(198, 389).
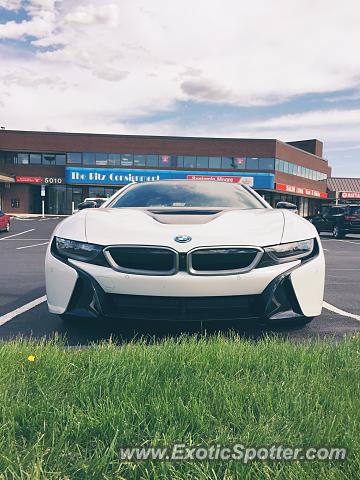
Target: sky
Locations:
point(286, 69)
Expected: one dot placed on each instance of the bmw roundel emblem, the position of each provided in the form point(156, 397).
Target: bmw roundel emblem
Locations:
point(182, 238)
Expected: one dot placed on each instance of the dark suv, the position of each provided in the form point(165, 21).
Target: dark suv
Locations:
point(338, 219)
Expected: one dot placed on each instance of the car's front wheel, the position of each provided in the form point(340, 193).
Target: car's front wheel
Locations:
point(337, 232)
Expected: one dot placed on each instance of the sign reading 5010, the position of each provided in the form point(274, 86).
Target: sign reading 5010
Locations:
point(53, 180)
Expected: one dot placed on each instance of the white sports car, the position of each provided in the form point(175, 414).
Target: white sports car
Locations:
point(186, 251)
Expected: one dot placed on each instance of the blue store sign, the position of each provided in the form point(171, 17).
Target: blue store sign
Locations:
point(124, 176)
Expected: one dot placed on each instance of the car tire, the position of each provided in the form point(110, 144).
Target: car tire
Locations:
point(337, 233)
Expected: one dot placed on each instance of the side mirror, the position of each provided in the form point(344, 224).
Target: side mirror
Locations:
point(83, 205)
point(287, 205)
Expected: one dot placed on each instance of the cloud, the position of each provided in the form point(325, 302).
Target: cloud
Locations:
point(28, 78)
point(94, 14)
point(42, 15)
point(10, 4)
point(98, 65)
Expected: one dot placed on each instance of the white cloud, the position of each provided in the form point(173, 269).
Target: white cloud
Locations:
point(41, 23)
point(99, 63)
point(10, 4)
point(94, 14)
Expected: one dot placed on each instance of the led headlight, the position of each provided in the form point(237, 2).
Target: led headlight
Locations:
point(82, 251)
point(287, 252)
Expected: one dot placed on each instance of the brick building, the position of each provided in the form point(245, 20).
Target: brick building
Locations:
point(73, 166)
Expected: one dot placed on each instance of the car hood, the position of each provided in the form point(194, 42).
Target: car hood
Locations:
point(229, 227)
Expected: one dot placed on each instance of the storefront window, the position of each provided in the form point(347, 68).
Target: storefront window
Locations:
point(74, 158)
point(49, 159)
point(89, 158)
point(152, 160)
point(215, 162)
point(126, 159)
point(114, 159)
point(177, 161)
point(239, 163)
point(266, 164)
point(165, 161)
point(139, 160)
point(189, 162)
point(252, 163)
point(202, 162)
point(35, 158)
point(226, 162)
point(101, 159)
point(23, 158)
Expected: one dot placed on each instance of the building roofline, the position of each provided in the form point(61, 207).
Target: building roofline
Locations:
point(170, 137)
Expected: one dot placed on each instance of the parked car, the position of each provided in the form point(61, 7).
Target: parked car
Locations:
point(91, 202)
point(338, 219)
point(4, 222)
point(186, 251)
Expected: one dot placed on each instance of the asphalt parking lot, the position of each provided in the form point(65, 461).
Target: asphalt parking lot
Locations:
point(22, 254)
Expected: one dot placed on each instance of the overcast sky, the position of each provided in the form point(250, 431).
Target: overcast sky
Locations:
point(286, 69)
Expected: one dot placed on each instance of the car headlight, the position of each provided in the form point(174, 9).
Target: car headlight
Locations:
point(85, 252)
point(287, 252)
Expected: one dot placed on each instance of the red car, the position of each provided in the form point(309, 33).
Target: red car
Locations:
point(4, 222)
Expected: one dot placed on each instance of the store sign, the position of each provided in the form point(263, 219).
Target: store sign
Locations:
point(39, 180)
point(53, 180)
point(221, 178)
point(350, 195)
point(124, 176)
point(23, 179)
point(300, 190)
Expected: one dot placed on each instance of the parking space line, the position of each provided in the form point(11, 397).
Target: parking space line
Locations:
point(334, 241)
point(330, 307)
point(348, 241)
point(17, 234)
point(27, 239)
point(31, 246)
point(28, 306)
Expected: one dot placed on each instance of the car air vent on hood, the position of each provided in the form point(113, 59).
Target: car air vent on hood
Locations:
point(189, 211)
point(184, 216)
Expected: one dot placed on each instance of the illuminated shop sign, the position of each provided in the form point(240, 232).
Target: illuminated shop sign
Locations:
point(300, 190)
point(350, 195)
point(26, 179)
point(39, 180)
point(124, 176)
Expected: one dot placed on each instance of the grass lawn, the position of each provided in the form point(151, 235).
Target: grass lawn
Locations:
point(66, 414)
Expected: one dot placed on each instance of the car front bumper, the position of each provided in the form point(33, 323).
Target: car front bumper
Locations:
point(289, 290)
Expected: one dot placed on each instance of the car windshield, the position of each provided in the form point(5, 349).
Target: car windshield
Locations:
point(187, 195)
point(355, 210)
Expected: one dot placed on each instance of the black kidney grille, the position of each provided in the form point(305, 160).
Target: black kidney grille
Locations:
point(222, 259)
point(144, 259)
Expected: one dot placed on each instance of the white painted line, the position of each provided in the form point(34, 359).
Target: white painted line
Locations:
point(27, 239)
point(330, 307)
point(31, 246)
point(334, 241)
point(343, 269)
point(9, 316)
point(349, 241)
point(17, 234)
